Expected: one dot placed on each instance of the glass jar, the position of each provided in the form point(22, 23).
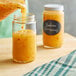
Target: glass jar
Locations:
point(24, 39)
point(53, 25)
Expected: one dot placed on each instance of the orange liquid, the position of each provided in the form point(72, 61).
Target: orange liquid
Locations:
point(9, 6)
point(23, 11)
point(54, 40)
point(24, 46)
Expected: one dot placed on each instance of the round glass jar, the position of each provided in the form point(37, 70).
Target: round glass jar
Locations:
point(53, 25)
point(24, 39)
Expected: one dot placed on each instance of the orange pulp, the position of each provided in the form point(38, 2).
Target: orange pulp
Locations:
point(24, 46)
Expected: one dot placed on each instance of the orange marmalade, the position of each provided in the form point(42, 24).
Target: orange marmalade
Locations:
point(53, 25)
point(24, 46)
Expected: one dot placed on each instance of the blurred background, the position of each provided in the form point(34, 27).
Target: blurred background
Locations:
point(37, 7)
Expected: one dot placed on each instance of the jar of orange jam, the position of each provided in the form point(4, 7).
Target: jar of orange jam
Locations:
point(53, 25)
point(24, 39)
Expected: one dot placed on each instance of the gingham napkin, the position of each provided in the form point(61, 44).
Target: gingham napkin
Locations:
point(63, 66)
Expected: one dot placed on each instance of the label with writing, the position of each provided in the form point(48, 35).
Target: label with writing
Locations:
point(51, 27)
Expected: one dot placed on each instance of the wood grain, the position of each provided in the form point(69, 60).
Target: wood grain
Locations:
point(9, 68)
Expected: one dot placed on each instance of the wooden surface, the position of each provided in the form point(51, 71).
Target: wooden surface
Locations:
point(9, 68)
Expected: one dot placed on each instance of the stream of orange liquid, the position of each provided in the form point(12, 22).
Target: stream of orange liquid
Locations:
point(24, 41)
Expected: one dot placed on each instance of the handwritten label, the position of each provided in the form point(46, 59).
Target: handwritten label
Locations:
point(51, 27)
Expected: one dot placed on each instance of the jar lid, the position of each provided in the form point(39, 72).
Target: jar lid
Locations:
point(54, 7)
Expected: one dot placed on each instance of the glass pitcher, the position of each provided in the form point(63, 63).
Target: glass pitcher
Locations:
point(9, 6)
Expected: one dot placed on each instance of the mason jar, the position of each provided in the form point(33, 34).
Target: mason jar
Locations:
point(53, 25)
point(24, 38)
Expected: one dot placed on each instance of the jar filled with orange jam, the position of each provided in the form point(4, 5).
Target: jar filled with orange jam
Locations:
point(24, 39)
point(53, 25)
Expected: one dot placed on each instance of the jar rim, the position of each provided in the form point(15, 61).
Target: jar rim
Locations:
point(29, 18)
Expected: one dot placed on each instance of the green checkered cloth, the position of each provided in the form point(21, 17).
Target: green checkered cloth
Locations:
point(64, 66)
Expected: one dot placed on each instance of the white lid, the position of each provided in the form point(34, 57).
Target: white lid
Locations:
point(54, 7)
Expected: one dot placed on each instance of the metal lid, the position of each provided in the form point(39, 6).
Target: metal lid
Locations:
point(54, 7)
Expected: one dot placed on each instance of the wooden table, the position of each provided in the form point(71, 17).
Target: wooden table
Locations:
point(9, 68)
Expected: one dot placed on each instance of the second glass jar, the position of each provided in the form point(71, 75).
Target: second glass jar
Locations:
point(53, 25)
